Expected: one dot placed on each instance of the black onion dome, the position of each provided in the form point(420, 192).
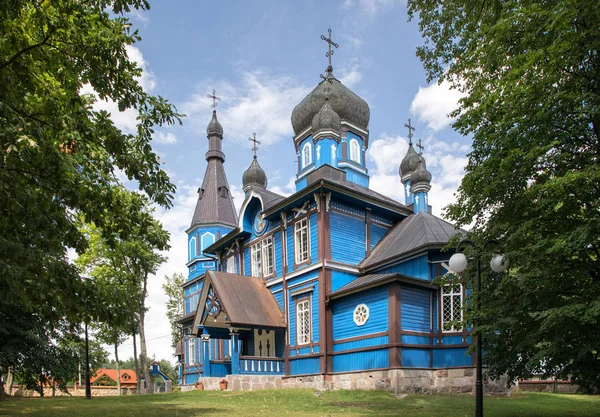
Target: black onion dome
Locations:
point(344, 102)
point(409, 164)
point(214, 128)
point(326, 119)
point(420, 176)
point(254, 176)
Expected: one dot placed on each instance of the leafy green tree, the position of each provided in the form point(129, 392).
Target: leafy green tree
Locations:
point(59, 157)
point(530, 72)
point(175, 307)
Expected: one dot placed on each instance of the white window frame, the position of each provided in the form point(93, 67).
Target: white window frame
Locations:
point(192, 247)
point(192, 357)
point(361, 314)
point(450, 293)
point(303, 322)
point(306, 155)
point(262, 257)
point(231, 264)
point(301, 249)
point(207, 239)
point(355, 150)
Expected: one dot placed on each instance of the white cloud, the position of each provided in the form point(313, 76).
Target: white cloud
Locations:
point(286, 190)
point(167, 138)
point(432, 104)
point(147, 80)
point(258, 102)
point(369, 7)
point(350, 73)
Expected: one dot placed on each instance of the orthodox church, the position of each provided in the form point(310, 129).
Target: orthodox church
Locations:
point(335, 280)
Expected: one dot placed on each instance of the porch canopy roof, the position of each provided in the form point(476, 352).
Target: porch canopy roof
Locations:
point(237, 301)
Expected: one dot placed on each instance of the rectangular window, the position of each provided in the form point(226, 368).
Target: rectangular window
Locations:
point(192, 351)
point(231, 264)
point(303, 322)
point(301, 240)
point(191, 302)
point(452, 300)
point(262, 258)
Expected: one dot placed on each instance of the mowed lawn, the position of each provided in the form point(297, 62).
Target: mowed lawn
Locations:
point(301, 403)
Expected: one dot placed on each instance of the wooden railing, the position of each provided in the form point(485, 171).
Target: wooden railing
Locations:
point(261, 365)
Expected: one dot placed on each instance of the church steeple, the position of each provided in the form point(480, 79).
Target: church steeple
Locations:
point(215, 213)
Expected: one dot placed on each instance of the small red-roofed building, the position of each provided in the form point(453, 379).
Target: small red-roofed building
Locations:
point(104, 377)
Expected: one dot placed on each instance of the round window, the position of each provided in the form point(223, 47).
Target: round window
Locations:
point(361, 314)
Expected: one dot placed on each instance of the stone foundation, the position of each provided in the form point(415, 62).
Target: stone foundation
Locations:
point(418, 381)
point(97, 391)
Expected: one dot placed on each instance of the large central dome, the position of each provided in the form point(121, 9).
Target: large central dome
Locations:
point(350, 107)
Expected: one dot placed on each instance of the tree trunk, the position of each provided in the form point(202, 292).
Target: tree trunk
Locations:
point(137, 367)
point(143, 350)
point(9, 381)
point(118, 367)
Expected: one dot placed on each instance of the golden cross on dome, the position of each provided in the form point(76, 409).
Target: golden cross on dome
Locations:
point(254, 143)
point(410, 130)
point(330, 43)
point(214, 98)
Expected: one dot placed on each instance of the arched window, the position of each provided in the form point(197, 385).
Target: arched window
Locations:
point(192, 248)
point(207, 239)
point(306, 155)
point(355, 151)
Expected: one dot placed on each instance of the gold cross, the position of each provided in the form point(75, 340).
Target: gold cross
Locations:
point(214, 98)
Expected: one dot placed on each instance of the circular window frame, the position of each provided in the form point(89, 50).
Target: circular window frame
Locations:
point(361, 314)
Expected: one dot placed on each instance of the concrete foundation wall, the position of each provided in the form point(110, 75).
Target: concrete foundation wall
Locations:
point(421, 381)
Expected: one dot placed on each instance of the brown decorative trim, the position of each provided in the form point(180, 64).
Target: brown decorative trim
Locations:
point(344, 148)
point(345, 213)
point(394, 317)
point(197, 243)
point(354, 339)
point(310, 355)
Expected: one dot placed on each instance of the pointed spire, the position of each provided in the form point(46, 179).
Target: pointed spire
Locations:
point(214, 132)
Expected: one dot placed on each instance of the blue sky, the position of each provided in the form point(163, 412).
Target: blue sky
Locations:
point(263, 58)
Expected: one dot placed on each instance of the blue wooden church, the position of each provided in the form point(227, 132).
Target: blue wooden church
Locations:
point(333, 280)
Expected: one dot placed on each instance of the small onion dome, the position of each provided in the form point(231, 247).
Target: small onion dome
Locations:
point(342, 100)
point(326, 123)
point(409, 164)
point(420, 179)
point(214, 128)
point(254, 176)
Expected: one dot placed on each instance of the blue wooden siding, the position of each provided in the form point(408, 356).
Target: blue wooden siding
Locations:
point(305, 366)
point(277, 252)
point(314, 238)
point(219, 369)
point(277, 290)
point(416, 340)
point(415, 358)
point(376, 300)
point(452, 340)
point(417, 268)
point(341, 278)
point(355, 361)
point(443, 358)
point(362, 343)
point(377, 233)
point(289, 236)
point(314, 296)
point(434, 303)
point(415, 308)
point(348, 239)
point(247, 269)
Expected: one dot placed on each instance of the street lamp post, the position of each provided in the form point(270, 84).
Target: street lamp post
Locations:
point(458, 263)
point(88, 389)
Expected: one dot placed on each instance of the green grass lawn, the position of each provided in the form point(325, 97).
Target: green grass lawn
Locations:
point(301, 403)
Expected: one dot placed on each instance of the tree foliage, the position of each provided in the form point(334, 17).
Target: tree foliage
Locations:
point(530, 71)
point(175, 307)
point(59, 157)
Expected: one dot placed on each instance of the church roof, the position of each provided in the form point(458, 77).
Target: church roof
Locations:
point(374, 280)
point(417, 231)
point(246, 301)
point(215, 204)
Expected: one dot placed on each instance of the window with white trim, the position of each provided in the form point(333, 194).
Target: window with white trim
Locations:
point(354, 150)
point(452, 301)
point(301, 244)
point(192, 359)
point(192, 248)
point(306, 155)
point(303, 322)
point(231, 264)
point(262, 257)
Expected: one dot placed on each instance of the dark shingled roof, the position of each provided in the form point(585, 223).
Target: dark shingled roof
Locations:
point(372, 280)
point(415, 232)
point(269, 198)
point(214, 204)
point(247, 301)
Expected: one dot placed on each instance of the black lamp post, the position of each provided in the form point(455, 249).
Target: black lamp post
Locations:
point(88, 388)
point(458, 263)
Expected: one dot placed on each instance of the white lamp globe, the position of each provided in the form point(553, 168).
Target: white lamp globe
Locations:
point(458, 262)
point(498, 263)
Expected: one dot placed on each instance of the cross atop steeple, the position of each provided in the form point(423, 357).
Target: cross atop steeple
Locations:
point(214, 98)
point(254, 143)
point(421, 147)
point(410, 130)
point(330, 43)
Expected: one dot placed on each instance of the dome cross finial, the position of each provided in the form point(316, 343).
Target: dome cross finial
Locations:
point(255, 143)
point(421, 147)
point(330, 43)
point(214, 99)
point(410, 130)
